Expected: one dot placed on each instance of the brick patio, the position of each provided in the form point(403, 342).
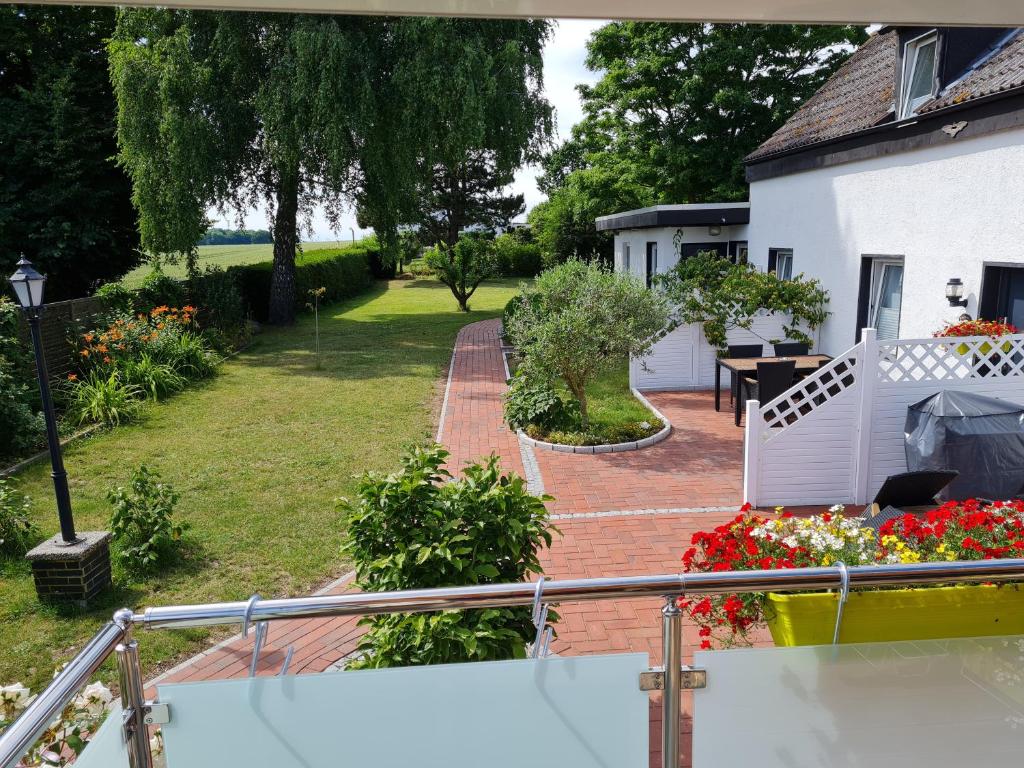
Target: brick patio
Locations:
point(619, 514)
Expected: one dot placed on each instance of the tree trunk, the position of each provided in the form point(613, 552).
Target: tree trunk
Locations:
point(581, 397)
point(282, 281)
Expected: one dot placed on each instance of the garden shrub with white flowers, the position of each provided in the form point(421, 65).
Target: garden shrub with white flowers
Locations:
point(958, 530)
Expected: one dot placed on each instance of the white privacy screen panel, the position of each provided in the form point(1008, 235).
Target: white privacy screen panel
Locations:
point(934, 703)
point(585, 712)
point(106, 749)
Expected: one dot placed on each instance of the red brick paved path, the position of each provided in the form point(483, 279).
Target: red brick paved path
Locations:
point(698, 466)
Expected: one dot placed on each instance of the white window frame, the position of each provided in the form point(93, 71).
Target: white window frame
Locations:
point(783, 256)
point(625, 258)
point(911, 49)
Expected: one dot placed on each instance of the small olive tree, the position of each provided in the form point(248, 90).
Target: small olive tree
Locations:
point(463, 266)
point(719, 295)
point(577, 319)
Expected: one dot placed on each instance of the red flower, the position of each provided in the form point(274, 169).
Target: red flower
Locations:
point(705, 645)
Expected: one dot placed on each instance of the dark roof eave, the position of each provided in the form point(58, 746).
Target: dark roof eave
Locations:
point(655, 219)
point(883, 127)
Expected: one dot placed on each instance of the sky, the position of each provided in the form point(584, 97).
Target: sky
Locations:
point(563, 70)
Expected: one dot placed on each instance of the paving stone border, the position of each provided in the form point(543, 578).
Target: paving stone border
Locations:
point(635, 445)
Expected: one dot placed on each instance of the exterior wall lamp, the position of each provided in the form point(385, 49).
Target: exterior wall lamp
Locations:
point(714, 230)
point(955, 292)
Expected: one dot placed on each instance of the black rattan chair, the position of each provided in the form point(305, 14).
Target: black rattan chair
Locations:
point(773, 378)
point(742, 350)
point(790, 349)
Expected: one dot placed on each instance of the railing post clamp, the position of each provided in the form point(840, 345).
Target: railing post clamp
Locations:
point(690, 679)
point(155, 713)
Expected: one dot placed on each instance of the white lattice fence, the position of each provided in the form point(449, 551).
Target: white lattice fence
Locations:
point(837, 435)
point(944, 360)
point(798, 449)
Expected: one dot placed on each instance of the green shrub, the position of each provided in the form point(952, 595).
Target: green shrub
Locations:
point(144, 532)
point(17, 532)
point(102, 397)
point(219, 303)
point(117, 298)
point(464, 266)
point(159, 290)
point(578, 319)
point(515, 258)
point(532, 399)
point(153, 379)
point(187, 353)
point(21, 423)
point(343, 272)
point(414, 530)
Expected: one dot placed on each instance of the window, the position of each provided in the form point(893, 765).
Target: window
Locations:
point(886, 296)
point(652, 262)
point(738, 251)
point(625, 257)
point(919, 66)
point(780, 261)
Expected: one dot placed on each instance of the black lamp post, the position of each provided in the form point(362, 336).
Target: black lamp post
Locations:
point(28, 286)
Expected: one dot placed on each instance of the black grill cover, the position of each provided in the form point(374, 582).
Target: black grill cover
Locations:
point(981, 437)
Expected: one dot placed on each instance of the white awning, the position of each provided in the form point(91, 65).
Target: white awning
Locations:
point(929, 12)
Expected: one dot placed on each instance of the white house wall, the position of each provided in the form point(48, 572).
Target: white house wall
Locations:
point(945, 209)
point(664, 237)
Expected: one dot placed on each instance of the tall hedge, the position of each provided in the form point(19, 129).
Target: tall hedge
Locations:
point(343, 272)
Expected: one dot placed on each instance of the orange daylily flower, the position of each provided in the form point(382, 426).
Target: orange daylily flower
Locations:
point(72, 377)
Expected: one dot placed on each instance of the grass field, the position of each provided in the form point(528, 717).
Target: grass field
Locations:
point(224, 256)
point(259, 455)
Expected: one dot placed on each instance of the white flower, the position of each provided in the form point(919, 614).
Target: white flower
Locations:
point(645, 425)
point(837, 509)
point(13, 699)
point(94, 699)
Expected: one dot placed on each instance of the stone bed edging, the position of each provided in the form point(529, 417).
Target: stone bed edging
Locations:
point(635, 445)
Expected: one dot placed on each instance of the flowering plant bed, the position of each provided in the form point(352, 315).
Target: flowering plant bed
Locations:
point(966, 328)
point(966, 530)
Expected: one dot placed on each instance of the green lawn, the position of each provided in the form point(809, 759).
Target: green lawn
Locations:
point(611, 401)
point(223, 256)
point(259, 455)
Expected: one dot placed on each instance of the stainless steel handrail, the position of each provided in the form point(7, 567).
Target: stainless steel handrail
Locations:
point(47, 706)
point(20, 736)
point(578, 590)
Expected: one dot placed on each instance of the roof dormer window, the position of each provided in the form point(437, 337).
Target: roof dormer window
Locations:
point(920, 63)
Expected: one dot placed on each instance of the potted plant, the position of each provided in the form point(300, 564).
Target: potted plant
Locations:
point(963, 328)
point(966, 530)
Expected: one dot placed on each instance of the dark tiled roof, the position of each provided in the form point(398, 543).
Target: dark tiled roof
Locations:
point(1000, 72)
point(859, 95)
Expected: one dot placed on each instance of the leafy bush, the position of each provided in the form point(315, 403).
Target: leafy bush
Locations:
point(463, 267)
point(187, 353)
point(719, 295)
point(144, 532)
point(17, 532)
point(343, 272)
point(515, 258)
point(153, 379)
point(102, 397)
point(158, 289)
point(413, 530)
point(532, 399)
point(117, 298)
point(577, 320)
point(220, 305)
point(21, 424)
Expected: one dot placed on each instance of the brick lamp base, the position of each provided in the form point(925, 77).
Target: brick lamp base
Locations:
point(75, 573)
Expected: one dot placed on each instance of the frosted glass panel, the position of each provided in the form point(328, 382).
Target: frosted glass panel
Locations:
point(933, 703)
point(106, 749)
point(585, 712)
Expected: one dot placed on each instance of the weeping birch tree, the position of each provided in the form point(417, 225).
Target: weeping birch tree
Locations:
point(294, 111)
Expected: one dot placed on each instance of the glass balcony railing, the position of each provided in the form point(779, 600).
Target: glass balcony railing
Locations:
point(928, 703)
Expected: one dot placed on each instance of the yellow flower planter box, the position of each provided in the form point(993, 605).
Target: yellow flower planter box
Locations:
point(985, 348)
point(900, 614)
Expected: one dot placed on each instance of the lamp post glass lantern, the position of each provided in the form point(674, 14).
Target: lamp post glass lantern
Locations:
point(28, 287)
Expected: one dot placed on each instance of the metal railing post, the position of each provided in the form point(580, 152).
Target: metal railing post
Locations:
point(133, 704)
point(672, 661)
